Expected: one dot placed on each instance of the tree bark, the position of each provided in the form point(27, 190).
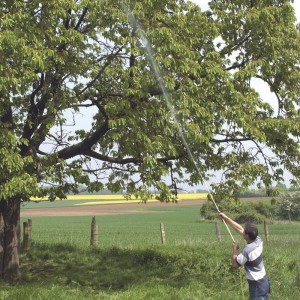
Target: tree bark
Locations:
point(9, 239)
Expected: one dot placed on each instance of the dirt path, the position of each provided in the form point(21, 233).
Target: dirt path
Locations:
point(103, 209)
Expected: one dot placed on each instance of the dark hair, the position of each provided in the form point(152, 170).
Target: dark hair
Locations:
point(252, 231)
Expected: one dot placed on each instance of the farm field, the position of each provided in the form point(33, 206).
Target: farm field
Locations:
point(131, 263)
point(89, 205)
point(74, 200)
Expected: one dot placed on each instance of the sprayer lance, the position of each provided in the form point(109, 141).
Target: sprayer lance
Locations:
point(217, 208)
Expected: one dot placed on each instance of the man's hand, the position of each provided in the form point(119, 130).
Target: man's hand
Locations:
point(223, 216)
point(235, 248)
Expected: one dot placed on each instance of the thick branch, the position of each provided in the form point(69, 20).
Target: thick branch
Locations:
point(85, 145)
point(81, 18)
point(228, 140)
point(230, 48)
point(274, 90)
point(105, 65)
point(123, 161)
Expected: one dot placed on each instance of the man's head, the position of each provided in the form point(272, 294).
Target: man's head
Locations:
point(250, 232)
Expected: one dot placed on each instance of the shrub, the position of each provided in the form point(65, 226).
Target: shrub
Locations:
point(208, 211)
point(252, 217)
point(264, 208)
point(241, 212)
point(287, 206)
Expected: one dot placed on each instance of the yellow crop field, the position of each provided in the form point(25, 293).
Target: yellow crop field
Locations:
point(113, 202)
point(181, 197)
point(120, 198)
point(86, 197)
point(192, 196)
point(95, 197)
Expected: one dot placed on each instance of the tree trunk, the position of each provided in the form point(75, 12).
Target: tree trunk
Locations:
point(9, 239)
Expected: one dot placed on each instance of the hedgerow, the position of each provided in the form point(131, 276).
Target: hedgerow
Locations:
point(242, 212)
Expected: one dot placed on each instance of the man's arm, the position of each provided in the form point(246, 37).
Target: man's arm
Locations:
point(237, 227)
point(235, 248)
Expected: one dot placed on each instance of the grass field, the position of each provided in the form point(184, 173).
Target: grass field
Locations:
point(126, 230)
point(131, 263)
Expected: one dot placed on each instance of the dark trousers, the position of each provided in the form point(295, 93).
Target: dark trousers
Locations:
point(259, 290)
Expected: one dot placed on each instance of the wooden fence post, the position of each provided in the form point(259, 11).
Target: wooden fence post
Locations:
point(266, 231)
point(94, 232)
point(162, 233)
point(26, 243)
point(218, 232)
point(29, 221)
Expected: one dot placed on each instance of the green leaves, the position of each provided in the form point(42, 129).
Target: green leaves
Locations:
point(123, 94)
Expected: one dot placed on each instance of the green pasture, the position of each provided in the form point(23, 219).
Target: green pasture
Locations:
point(181, 224)
point(131, 263)
point(49, 204)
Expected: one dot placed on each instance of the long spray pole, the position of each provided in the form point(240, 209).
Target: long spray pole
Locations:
point(217, 208)
point(145, 42)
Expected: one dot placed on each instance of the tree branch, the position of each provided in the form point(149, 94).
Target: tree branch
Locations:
point(85, 145)
point(228, 140)
point(81, 18)
point(106, 64)
point(123, 161)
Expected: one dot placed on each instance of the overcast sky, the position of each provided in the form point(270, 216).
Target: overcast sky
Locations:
point(204, 6)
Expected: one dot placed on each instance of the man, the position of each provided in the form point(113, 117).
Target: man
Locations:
point(251, 259)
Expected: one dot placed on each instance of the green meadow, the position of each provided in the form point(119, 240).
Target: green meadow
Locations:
point(131, 263)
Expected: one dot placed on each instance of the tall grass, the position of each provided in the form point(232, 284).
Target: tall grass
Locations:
point(131, 263)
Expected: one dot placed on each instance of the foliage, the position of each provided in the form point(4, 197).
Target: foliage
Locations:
point(253, 193)
point(150, 79)
point(242, 212)
point(287, 206)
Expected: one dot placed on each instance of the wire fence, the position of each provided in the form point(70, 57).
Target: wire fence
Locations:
point(130, 235)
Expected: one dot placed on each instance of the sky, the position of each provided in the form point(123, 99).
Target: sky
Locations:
point(204, 6)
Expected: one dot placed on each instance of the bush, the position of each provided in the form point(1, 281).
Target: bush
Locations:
point(264, 208)
point(208, 212)
point(287, 206)
point(252, 217)
point(243, 212)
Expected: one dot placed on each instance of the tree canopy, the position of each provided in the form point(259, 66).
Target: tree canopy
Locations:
point(82, 99)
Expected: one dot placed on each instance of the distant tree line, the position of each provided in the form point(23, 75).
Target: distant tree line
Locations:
point(280, 187)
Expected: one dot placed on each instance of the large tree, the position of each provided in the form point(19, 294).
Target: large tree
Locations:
point(119, 94)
